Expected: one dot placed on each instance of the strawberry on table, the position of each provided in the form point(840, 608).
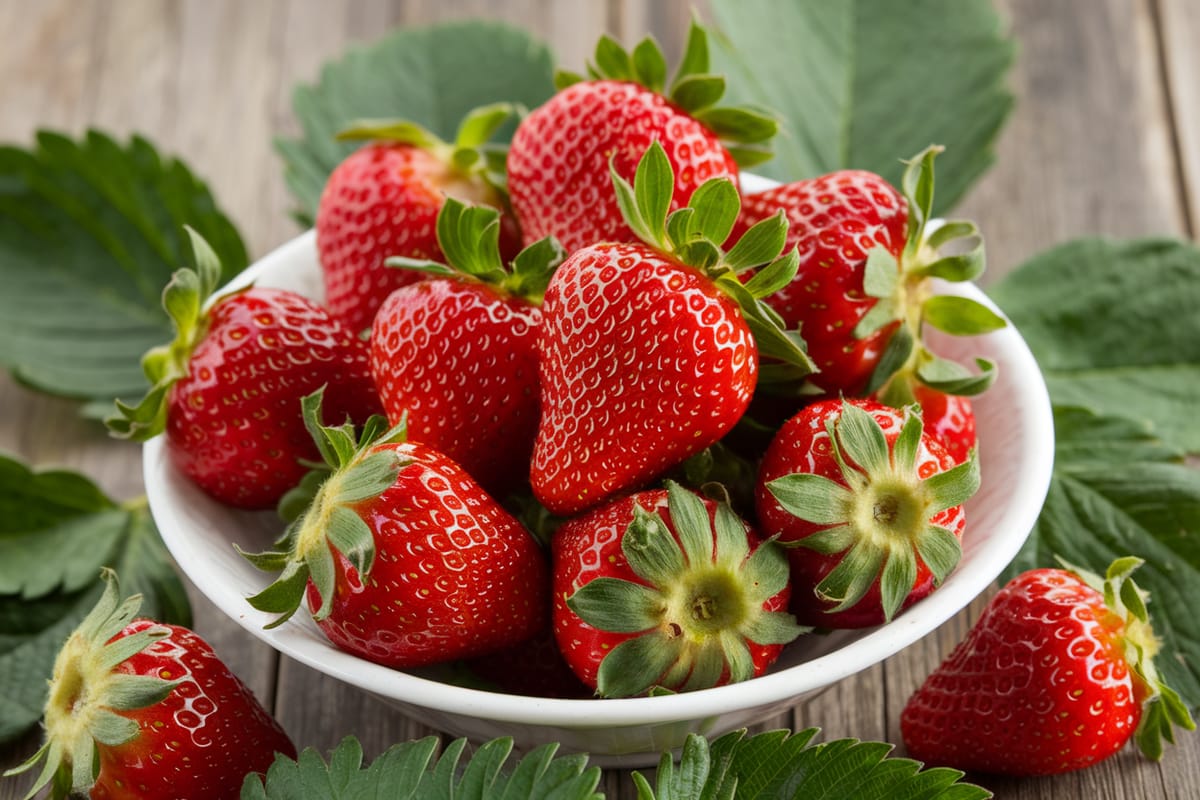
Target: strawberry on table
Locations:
point(139, 709)
point(227, 391)
point(649, 352)
point(383, 200)
point(457, 353)
point(1056, 675)
point(405, 561)
point(558, 162)
point(666, 589)
point(869, 506)
point(862, 291)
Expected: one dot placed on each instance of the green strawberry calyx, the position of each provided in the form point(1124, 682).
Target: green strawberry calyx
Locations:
point(323, 521)
point(185, 299)
point(744, 131)
point(698, 604)
point(902, 289)
point(472, 153)
point(87, 694)
point(693, 236)
point(469, 237)
point(1162, 707)
point(879, 517)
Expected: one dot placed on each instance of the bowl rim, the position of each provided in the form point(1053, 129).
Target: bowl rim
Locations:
point(779, 689)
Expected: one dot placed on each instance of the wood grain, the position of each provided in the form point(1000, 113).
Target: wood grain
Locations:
point(1105, 139)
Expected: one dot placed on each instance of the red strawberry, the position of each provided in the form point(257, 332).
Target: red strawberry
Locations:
point(870, 507)
point(666, 589)
point(227, 390)
point(458, 353)
point(1056, 675)
point(949, 418)
point(146, 710)
point(649, 352)
point(862, 293)
point(558, 161)
point(383, 200)
point(404, 559)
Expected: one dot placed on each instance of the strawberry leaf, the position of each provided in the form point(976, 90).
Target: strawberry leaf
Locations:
point(90, 232)
point(862, 85)
point(432, 76)
point(57, 530)
point(1114, 327)
point(1118, 490)
point(781, 764)
point(411, 770)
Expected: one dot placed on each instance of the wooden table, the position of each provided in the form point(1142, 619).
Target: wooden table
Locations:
point(1105, 139)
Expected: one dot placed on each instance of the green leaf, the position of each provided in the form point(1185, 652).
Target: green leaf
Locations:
point(57, 530)
point(715, 204)
point(781, 765)
point(960, 316)
point(1116, 492)
point(814, 498)
point(412, 771)
point(870, 91)
point(618, 606)
point(432, 76)
point(1114, 327)
point(91, 231)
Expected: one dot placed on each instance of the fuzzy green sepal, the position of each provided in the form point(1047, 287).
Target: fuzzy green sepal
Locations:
point(469, 237)
point(184, 299)
point(354, 472)
point(86, 692)
point(471, 152)
point(880, 516)
point(699, 606)
point(1162, 707)
point(745, 131)
point(694, 235)
point(900, 288)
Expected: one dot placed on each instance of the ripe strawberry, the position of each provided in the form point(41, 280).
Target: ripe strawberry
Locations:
point(227, 390)
point(404, 559)
point(665, 589)
point(146, 710)
point(534, 668)
point(383, 200)
point(558, 161)
point(862, 290)
point(949, 418)
point(870, 507)
point(1056, 675)
point(458, 353)
point(649, 352)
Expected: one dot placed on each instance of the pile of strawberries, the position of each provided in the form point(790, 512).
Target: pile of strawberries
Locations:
point(581, 414)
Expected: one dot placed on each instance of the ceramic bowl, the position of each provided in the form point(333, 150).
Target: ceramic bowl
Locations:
point(1016, 447)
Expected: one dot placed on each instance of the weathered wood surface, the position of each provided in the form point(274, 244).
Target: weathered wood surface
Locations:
point(1105, 140)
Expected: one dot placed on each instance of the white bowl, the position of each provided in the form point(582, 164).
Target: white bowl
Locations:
point(1016, 446)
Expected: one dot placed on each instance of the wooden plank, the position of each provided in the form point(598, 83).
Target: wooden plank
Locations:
point(1088, 148)
point(1178, 31)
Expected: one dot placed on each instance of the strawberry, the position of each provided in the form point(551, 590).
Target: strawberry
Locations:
point(227, 390)
point(870, 507)
point(458, 353)
point(534, 668)
point(558, 161)
point(405, 561)
point(141, 709)
point(949, 418)
point(649, 352)
point(383, 200)
point(862, 290)
point(1057, 674)
point(664, 589)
